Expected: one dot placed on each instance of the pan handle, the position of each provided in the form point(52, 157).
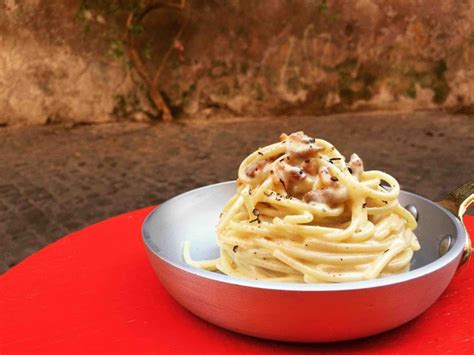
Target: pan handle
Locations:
point(458, 202)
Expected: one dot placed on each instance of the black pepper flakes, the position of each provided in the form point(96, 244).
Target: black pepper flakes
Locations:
point(384, 201)
point(235, 248)
point(386, 251)
point(256, 213)
point(333, 178)
point(350, 170)
point(364, 205)
point(334, 159)
point(260, 153)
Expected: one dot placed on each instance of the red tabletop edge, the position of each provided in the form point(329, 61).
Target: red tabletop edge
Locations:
point(94, 291)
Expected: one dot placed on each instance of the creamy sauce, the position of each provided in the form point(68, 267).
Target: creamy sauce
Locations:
point(256, 168)
point(299, 172)
point(300, 146)
point(356, 165)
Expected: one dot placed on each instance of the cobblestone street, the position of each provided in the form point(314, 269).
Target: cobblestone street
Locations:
point(57, 179)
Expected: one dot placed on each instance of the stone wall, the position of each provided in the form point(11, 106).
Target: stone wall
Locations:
point(65, 61)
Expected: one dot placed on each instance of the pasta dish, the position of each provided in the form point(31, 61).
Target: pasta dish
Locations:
point(303, 214)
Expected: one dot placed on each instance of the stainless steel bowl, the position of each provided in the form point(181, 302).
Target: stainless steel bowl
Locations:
point(299, 312)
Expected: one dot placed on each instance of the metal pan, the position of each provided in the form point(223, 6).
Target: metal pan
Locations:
point(303, 312)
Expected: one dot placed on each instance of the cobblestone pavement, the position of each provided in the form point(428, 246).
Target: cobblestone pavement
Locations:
point(57, 179)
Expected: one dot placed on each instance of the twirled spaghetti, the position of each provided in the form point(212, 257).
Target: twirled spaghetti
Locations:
point(302, 214)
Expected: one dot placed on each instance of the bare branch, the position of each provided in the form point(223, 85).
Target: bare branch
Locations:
point(137, 60)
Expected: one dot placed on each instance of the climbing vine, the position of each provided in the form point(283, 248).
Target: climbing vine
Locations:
point(134, 27)
point(122, 36)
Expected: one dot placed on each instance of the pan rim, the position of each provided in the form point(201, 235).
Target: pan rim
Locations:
point(454, 253)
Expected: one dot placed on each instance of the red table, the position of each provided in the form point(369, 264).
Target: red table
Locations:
point(94, 291)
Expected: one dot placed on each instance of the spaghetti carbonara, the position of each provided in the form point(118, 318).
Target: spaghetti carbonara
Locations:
point(303, 214)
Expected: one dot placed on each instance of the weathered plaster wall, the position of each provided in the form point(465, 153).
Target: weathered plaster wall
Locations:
point(65, 60)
